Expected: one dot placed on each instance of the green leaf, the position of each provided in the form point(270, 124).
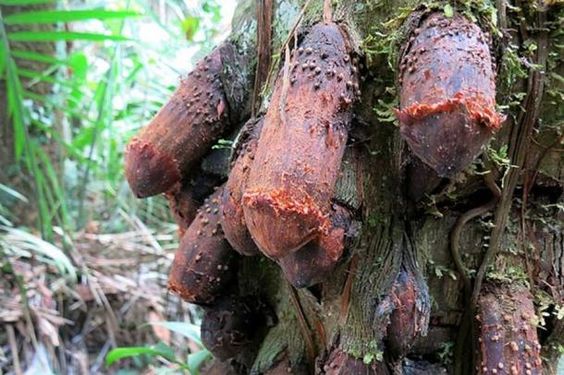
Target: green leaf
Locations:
point(214, 9)
point(159, 350)
point(43, 77)
point(78, 63)
point(56, 191)
point(43, 36)
point(35, 56)
point(15, 108)
point(53, 16)
point(449, 11)
point(196, 360)
point(8, 190)
point(187, 330)
point(3, 59)
point(190, 27)
point(25, 2)
point(22, 144)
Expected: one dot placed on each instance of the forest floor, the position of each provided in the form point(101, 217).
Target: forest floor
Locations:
point(59, 325)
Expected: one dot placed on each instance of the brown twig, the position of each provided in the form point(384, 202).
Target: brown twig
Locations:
point(14, 348)
point(327, 12)
point(285, 86)
point(347, 289)
point(291, 33)
point(519, 145)
point(302, 322)
point(466, 325)
point(264, 39)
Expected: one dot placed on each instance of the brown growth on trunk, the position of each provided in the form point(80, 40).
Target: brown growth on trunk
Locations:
point(204, 264)
point(409, 318)
point(287, 200)
point(312, 263)
point(507, 332)
point(183, 206)
point(233, 324)
point(447, 99)
point(232, 218)
point(186, 197)
point(181, 132)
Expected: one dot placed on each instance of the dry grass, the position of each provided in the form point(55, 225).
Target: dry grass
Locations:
point(53, 320)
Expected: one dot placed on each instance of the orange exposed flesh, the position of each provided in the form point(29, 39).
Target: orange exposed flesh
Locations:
point(291, 181)
point(312, 263)
point(447, 97)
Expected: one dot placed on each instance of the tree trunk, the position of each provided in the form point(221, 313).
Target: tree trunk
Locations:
point(441, 275)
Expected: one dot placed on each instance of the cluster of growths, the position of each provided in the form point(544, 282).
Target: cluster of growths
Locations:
point(278, 199)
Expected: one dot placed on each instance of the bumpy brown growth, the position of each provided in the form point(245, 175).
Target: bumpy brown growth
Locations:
point(447, 97)
point(287, 199)
point(409, 318)
point(185, 198)
point(312, 263)
point(181, 132)
point(507, 334)
point(183, 206)
point(232, 218)
point(233, 324)
point(204, 264)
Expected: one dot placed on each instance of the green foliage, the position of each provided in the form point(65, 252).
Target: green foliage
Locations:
point(190, 26)
point(165, 353)
point(105, 83)
point(448, 10)
point(54, 36)
point(159, 350)
point(55, 16)
point(446, 353)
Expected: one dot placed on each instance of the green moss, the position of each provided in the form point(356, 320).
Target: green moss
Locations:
point(511, 275)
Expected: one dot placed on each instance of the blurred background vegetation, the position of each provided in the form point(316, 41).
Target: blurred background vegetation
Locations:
point(83, 264)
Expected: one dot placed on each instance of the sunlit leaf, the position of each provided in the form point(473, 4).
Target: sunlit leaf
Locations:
point(25, 2)
point(190, 27)
point(53, 16)
point(78, 64)
point(35, 56)
point(53, 36)
point(449, 11)
point(159, 350)
point(196, 360)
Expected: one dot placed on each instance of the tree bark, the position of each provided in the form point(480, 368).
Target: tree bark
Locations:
point(436, 262)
